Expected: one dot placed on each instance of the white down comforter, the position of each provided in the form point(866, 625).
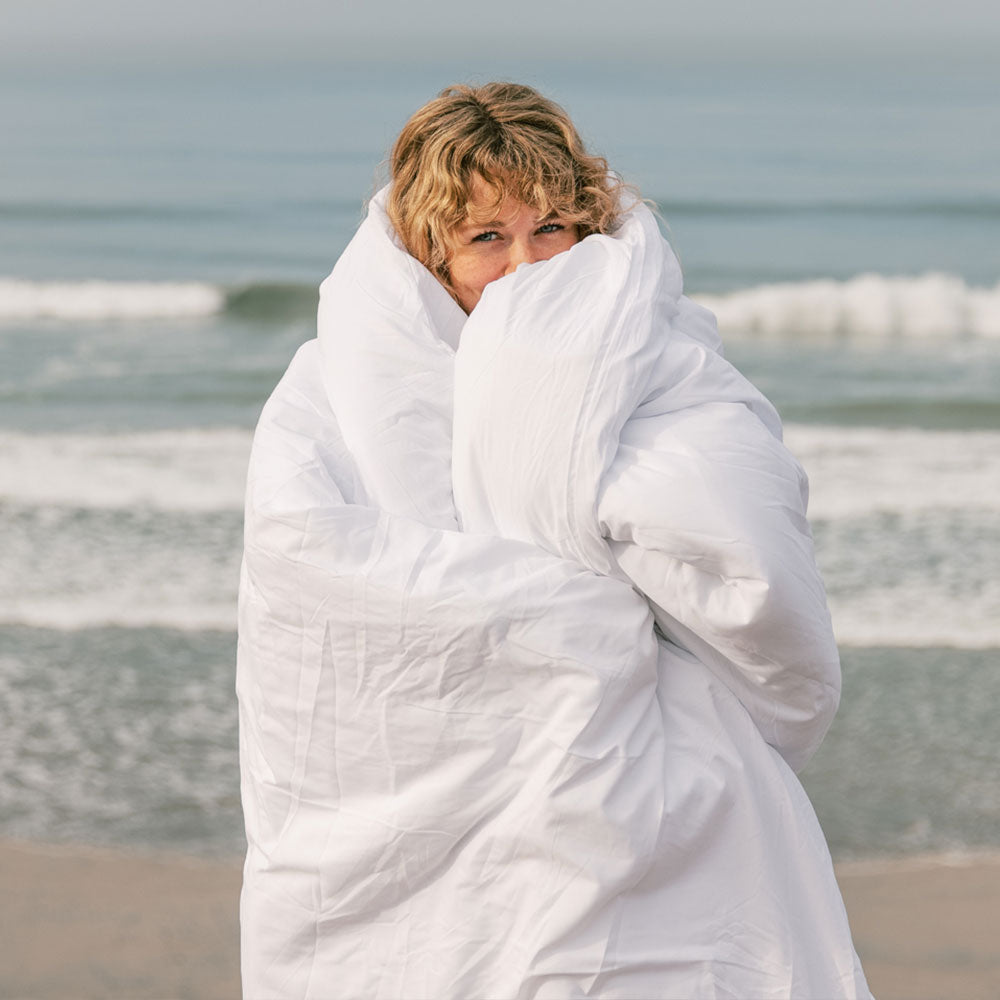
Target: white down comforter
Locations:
point(531, 643)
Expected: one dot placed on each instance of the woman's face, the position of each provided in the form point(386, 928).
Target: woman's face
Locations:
point(485, 251)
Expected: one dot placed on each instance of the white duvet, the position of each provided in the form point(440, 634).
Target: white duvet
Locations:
point(531, 643)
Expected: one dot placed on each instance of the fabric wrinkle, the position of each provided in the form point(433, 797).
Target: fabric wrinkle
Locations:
point(531, 640)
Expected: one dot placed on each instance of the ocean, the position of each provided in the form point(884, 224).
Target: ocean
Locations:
point(163, 232)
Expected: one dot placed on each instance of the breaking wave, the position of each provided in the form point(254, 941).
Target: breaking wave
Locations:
point(183, 470)
point(871, 305)
point(86, 301)
point(143, 530)
point(853, 470)
point(102, 300)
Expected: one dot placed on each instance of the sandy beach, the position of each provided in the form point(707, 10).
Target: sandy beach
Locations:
point(93, 923)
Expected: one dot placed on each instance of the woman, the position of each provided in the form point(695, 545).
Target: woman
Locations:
point(531, 632)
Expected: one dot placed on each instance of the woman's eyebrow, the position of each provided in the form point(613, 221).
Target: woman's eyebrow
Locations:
point(496, 222)
point(478, 223)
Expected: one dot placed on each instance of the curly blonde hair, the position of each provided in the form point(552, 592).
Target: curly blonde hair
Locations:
point(509, 136)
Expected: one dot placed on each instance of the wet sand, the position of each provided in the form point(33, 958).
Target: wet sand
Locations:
point(927, 928)
point(92, 923)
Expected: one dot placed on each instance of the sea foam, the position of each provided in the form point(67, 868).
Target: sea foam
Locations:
point(884, 618)
point(144, 529)
point(872, 305)
point(102, 300)
point(860, 470)
point(185, 470)
point(67, 614)
point(928, 618)
point(853, 470)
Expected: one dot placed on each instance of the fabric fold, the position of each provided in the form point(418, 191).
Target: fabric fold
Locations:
point(523, 629)
point(589, 421)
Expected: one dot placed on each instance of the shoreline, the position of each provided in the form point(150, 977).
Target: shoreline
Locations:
point(102, 922)
point(925, 925)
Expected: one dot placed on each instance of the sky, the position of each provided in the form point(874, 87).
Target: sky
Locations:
point(564, 30)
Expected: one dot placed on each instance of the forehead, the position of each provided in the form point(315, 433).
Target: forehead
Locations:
point(494, 202)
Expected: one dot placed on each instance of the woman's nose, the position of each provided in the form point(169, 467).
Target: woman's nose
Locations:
point(521, 253)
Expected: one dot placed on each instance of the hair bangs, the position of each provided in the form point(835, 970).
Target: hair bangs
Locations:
point(462, 155)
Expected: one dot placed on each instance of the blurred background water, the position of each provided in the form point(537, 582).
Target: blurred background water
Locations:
point(163, 232)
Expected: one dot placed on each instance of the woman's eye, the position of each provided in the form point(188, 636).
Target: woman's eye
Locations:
point(487, 237)
point(551, 227)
